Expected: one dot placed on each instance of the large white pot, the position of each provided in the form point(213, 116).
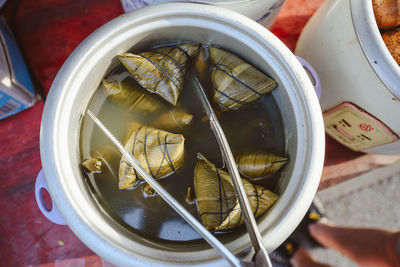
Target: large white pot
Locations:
point(360, 79)
point(80, 76)
point(262, 11)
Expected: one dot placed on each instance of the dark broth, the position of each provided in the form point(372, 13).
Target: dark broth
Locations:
point(257, 126)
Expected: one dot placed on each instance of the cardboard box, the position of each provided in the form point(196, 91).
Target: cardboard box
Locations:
point(16, 88)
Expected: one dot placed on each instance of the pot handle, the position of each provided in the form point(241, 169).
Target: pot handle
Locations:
point(53, 214)
point(314, 76)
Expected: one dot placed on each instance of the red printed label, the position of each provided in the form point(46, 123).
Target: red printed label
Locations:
point(366, 127)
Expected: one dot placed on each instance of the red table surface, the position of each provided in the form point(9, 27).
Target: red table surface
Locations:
point(48, 31)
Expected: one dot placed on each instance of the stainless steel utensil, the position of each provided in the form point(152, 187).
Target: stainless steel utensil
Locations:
point(212, 240)
point(261, 256)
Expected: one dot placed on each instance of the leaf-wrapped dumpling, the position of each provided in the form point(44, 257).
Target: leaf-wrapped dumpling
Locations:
point(259, 164)
point(216, 199)
point(173, 120)
point(160, 153)
point(162, 70)
point(100, 160)
point(124, 91)
point(236, 83)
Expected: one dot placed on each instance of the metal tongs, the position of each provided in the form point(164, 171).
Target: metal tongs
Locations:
point(261, 256)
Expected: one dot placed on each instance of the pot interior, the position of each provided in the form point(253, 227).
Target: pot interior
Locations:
point(140, 215)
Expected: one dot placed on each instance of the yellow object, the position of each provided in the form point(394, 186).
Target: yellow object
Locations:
point(314, 216)
point(289, 248)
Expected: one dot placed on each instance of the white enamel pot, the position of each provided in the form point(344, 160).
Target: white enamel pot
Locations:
point(262, 11)
point(80, 76)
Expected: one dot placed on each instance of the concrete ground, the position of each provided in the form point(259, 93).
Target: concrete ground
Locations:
point(370, 200)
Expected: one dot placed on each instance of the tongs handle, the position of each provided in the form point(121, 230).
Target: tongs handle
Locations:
point(212, 240)
point(261, 256)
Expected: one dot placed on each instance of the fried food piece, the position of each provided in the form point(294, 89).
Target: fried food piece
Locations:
point(392, 41)
point(387, 13)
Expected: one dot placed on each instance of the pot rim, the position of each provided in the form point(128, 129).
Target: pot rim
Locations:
point(55, 124)
point(373, 46)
